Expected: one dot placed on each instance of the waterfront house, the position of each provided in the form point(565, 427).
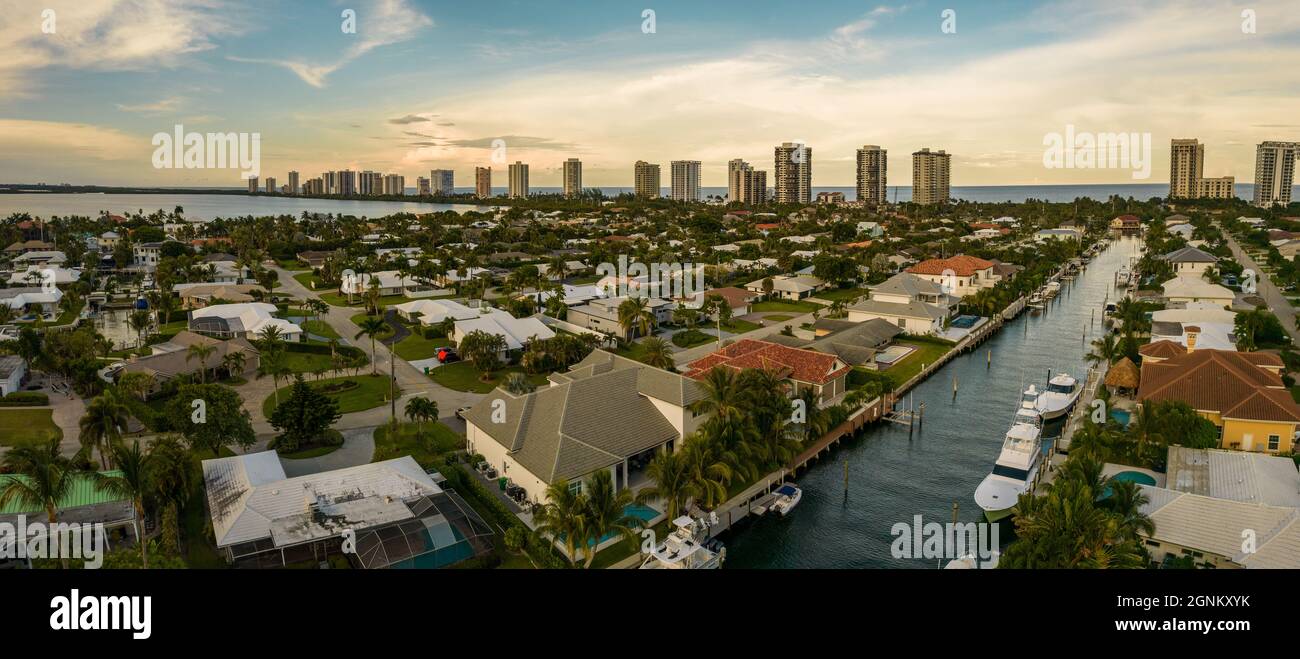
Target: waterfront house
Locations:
point(825, 374)
point(959, 275)
point(31, 299)
point(913, 303)
point(1126, 224)
point(1241, 393)
point(1190, 261)
point(605, 413)
point(858, 343)
point(1212, 532)
point(1188, 288)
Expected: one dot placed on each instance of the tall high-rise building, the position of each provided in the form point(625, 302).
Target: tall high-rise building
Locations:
point(293, 183)
point(483, 182)
point(645, 179)
point(735, 178)
point(442, 182)
point(572, 177)
point(1186, 167)
point(329, 183)
point(686, 180)
point(252, 184)
point(872, 175)
point(1275, 172)
point(270, 184)
point(313, 186)
point(793, 164)
point(930, 176)
point(347, 182)
point(394, 184)
point(518, 180)
point(422, 186)
point(366, 183)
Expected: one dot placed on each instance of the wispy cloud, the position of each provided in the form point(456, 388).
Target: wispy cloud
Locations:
point(383, 23)
point(164, 106)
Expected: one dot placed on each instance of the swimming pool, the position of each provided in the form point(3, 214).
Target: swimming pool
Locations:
point(643, 513)
point(1134, 477)
point(1121, 416)
point(965, 322)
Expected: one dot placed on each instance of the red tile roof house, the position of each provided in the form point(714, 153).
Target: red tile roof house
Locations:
point(961, 275)
point(826, 374)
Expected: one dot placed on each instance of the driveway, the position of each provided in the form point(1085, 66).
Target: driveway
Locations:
point(1277, 302)
point(686, 356)
point(358, 448)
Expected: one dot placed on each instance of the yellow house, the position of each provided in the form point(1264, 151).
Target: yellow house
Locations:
point(1240, 392)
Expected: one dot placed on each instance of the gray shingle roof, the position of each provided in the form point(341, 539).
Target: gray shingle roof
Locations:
point(913, 309)
point(1189, 255)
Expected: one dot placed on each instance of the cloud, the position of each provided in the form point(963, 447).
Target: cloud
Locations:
point(514, 141)
point(410, 119)
point(384, 23)
point(107, 35)
point(164, 106)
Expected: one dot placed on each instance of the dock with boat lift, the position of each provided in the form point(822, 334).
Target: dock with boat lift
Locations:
point(1078, 415)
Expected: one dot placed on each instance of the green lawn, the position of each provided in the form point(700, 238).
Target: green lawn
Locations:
point(427, 447)
point(21, 427)
point(388, 331)
point(776, 318)
point(691, 338)
point(371, 392)
point(320, 328)
point(800, 307)
point(416, 346)
point(846, 294)
point(307, 362)
point(926, 353)
point(462, 376)
point(738, 326)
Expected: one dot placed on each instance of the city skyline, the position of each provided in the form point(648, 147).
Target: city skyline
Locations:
point(81, 105)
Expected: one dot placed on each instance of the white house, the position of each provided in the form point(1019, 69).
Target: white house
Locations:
point(35, 276)
point(432, 312)
point(1194, 288)
point(12, 370)
point(30, 298)
point(1190, 261)
point(245, 319)
point(515, 331)
point(390, 283)
point(788, 287)
point(915, 304)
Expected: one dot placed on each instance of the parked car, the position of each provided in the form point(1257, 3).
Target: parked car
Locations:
point(447, 354)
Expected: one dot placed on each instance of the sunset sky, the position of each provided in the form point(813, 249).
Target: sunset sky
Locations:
point(425, 84)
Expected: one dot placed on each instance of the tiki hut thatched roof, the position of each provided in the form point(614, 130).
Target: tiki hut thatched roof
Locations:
point(1123, 375)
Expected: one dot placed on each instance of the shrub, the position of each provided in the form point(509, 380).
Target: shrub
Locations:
point(25, 398)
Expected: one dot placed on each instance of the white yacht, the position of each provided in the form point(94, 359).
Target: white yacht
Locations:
point(1061, 395)
point(1122, 277)
point(1016, 469)
point(688, 547)
point(787, 497)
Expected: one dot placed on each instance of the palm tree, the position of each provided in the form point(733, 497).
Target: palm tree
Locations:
point(634, 314)
point(1125, 501)
point(140, 321)
point(606, 513)
point(271, 337)
point(234, 362)
point(708, 469)
point(671, 484)
point(201, 351)
point(1105, 349)
point(518, 384)
point(563, 517)
point(1146, 428)
point(421, 410)
point(372, 327)
point(274, 363)
point(103, 424)
point(172, 473)
point(657, 353)
point(134, 483)
point(45, 479)
point(722, 396)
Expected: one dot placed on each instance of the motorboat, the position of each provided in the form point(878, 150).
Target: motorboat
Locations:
point(787, 497)
point(1061, 394)
point(1016, 469)
point(1122, 277)
point(687, 547)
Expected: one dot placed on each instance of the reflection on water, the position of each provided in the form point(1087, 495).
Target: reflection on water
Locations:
point(845, 522)
point(112, 323)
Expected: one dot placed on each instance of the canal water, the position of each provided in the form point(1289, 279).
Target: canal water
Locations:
point(892, 478)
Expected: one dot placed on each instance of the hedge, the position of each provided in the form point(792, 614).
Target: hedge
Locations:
point(29, 398)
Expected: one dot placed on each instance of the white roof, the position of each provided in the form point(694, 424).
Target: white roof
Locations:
point(251, 499)
point(515, 330)
point(251, 317)
point(1220, 526)
point(61, 275)
point(17, 298)
point(436, 311)
point(386, 278)
point(1234, 475)
point(1193, 286)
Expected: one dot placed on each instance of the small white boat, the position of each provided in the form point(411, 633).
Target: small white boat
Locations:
point(1062, 393)
point(1053, 288)
point(688, 547)
point(1122, 277)
point(787, 497)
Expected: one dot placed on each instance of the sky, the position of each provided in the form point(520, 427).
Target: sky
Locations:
point(423, 84)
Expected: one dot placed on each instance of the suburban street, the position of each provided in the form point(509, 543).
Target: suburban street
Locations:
point(1277, 302)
